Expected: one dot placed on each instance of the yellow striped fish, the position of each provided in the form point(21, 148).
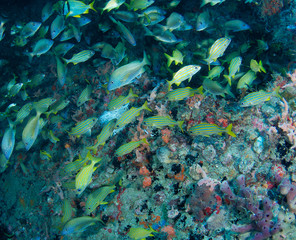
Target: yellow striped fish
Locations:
point(121, 100)
point(82, 56)
point(233, 68)
point(84, 176)
point(83, 127)
point(79, 224)
point(160, 121)
point(259, 97)
point(128, 147)
point(103, 136)
point(129, 115)
point(67, 211)
point(76, 8)
point(97, 198)
point(257, 67)
point(140, 233)
point(84, 96)
point(57, 106)
point(217, 49)
point(246, 80)
point(181, 93)
point(75, 166)
point(23, 112)
point(42, 105)
point(183, 74)
point(207, 129)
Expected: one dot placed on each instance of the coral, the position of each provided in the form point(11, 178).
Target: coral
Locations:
point(289, 190)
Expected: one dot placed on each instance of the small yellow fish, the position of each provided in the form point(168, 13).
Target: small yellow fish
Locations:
point(128, 147)
point(121, 100)
point(83, 127)
point(160, 122)
point(207, 129)
point(246, 80)
point(177, 58)
point(84, 96)
point(139, 233)
point(79, 224)
point(67, 211)
point(84, 176)
point(257, 67)
point(45, 155)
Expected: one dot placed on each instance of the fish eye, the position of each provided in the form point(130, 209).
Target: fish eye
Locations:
point(78, 190)
point(112, 82)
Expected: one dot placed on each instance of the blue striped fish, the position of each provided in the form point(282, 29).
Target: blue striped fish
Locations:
point(160, 121)
point(121, 100)
point(75, 166)
point(217, 49)
point(42, 105)
point(84, 96)
point(8, 140)
point(82, 56)
point(129, 147)
point(183, 74)
point(97, 198)
point(259, 97)
point(207, 129)
point(23, 112)
point(104, 135)
point(233, 68)
point(181, 93)
point(129, 115)
point(83, 126)
point(84, 176)
point(77, 8)
point(67, 211)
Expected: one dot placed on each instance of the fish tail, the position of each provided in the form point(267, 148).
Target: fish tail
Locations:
point(144, 140)
point(169, 59)
point(261, 67)
point(228, 91)
point(200, 90)
point(204, 2)
point(228, 79)
point(276, 92)
point(180, 123)
point(145, 106)
point(145, 60)
point(228, 130)
point(131, 94)
point(93, 148)
point(91, 6)
point(170, 85)
point(92, 158)
point(65, 60)
point(47, 114)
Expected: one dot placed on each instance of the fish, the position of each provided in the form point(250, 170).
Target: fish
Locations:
point(82, 21)
point(47, 11)
point(182, 93)
point(161, 121)
point(127, 73)
point(84, 176)
point(57, 106)
point(129, 115)
point(217, 49)
point(259, 97)
point(129, 147)
point(203, 21)
point(61, 72)
point(23, 112)
point(257, 67)
point(151, 18)
point(177, 57)
point(112, 4)
point(30, 29)
point(160, 33)
point(138, 233)
point(83, 127)
point(207, 129)
point(63, 48)
point(45, 156)
point(183, 74)
point(42, 105)
point(67, 211)
point(174, 21)
point(76, 8)
point(82, 56)
point(216, 88)
point(97, 198)
point(106, 132)
point(14, 89)
point(236, 26)
point(31, 131)
point(126, 16)
point(41, 47)
point(126, 34)
point(262, 46)
point(139, 4)
point(52, 137)
point(67, 34)
point(84, 96)
point(79, 225)
point(212, 2)
point(2, 29)
point(215, 72)
point(246, 80)
point(8, 140)
point(57, 26)
point(75, 166)
point(121, 100)
point(233, 68)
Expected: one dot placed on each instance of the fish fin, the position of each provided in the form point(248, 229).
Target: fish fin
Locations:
point(145, 106)
point(169, 59)
point(228, 130)
point(180, 123)
point(131, 94)
point(170, 84)
point(276, 92)
point(228, 79)
point(144, 140)
point(188, 80)
point(261, 67)
point(145, 59)
point(228, 91)
point(219, 133)
point(91, 6)
point(200, 90)
point(103, 203)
